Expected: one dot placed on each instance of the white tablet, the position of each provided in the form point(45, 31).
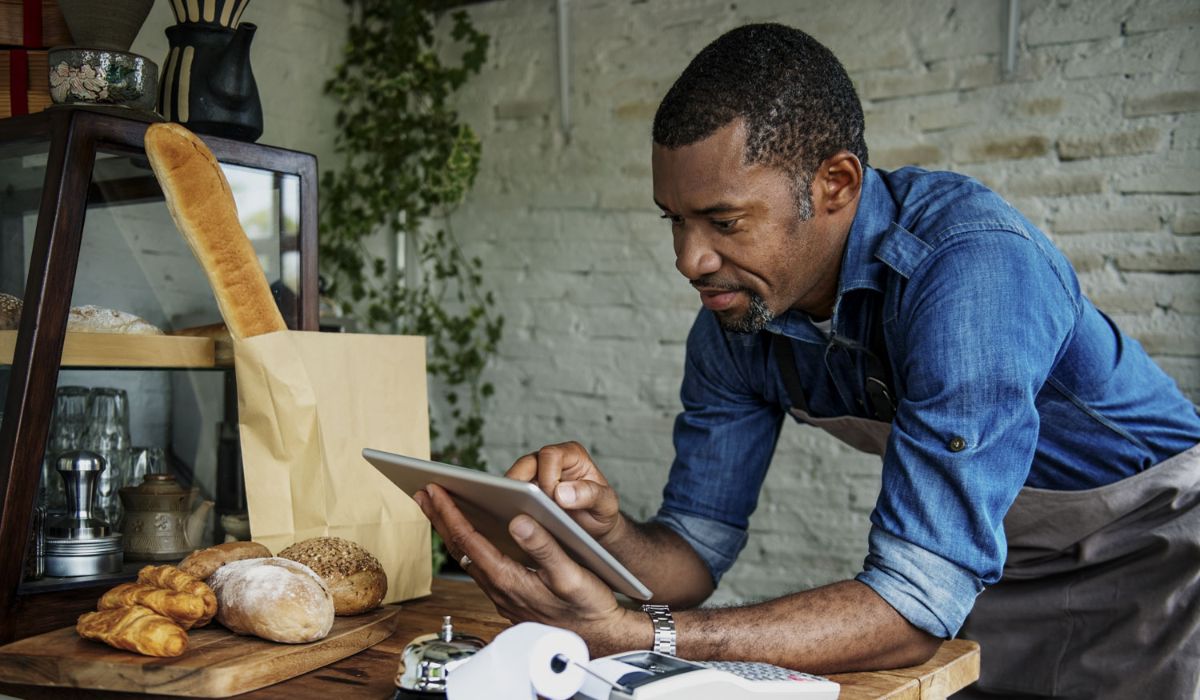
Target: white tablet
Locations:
point(490, 502)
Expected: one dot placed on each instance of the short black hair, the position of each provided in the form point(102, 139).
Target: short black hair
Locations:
point(798, 102)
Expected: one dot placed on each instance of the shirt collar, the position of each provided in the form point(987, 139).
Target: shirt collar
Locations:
point(862, 267)
point(864, 262)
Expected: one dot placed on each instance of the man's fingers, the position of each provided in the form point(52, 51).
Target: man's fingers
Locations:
point(549, 468)
point(524, 469)
point(558, 571)
point(587, 495)
point(458, 533)
point(565, 461)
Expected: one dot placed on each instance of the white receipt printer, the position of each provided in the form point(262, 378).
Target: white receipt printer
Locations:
point(648, 675)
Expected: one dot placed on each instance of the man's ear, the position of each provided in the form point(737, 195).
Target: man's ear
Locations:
point(837, 182)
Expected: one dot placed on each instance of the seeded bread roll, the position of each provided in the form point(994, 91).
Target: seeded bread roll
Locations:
point(201, 203)
point(354, 576)
point(10, 312)
point(273, 598)
point(203, 562)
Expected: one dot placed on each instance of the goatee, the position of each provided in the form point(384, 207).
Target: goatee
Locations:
point(755, 319)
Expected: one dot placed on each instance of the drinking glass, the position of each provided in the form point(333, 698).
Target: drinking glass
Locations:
point(143, 461)
point(107, 434)
point(67, 425)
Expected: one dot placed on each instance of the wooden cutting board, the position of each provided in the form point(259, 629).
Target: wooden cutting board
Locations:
point(217, 663)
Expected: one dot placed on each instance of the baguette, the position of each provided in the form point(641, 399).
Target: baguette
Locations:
point(201, 203)
point(134, 628)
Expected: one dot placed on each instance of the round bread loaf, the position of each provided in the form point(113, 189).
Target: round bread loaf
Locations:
point(354, 576)
point(203, 562)
point(97, 319)
point(272, 598)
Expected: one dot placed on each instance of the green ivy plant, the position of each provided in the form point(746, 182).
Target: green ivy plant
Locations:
point(406, 162)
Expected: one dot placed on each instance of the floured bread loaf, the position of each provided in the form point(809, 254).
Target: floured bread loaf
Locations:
point(10, 312)
point(354, 576)
point(82, 319)
point(201, 203)
point(273, 598)
point(97, 319)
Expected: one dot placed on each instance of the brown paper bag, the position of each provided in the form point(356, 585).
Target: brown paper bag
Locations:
point(308, 403)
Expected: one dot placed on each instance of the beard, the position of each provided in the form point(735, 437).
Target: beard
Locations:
point(756, 316)
point(754, 320)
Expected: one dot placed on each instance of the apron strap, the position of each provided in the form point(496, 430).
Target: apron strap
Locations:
point(782, 345)
point(880, 394)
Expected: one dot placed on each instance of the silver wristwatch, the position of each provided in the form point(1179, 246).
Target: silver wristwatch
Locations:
point(664, 628)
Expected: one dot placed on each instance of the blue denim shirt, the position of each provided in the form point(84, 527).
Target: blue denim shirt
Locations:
point(1005, 374)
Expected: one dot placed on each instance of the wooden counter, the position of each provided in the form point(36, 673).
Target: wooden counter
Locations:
point(371, 673)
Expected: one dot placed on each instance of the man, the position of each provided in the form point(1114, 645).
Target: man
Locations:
point(1029, 448)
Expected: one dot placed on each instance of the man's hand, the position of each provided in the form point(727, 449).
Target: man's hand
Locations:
point(567, 474)
point(655, 554)
point(559, 593)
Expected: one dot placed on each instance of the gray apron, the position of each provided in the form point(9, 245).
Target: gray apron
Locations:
point(1101, 591)
point(1100, 595)
point(863, 434)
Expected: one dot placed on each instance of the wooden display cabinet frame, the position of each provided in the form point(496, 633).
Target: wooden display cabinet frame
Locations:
point(73, 137)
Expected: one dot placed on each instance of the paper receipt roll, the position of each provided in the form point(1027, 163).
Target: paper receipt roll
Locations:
point(519, 663)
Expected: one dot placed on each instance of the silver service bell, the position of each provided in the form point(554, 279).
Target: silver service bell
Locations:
point(429, 659)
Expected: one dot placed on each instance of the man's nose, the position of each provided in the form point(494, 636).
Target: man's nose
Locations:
point(694, 258)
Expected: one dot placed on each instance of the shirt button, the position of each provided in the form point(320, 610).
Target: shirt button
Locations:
point(957, 444)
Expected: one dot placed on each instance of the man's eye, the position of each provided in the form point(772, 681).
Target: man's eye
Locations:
point(675, 220)
point(725, 225)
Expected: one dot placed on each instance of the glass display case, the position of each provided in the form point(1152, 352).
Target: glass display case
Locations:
point(102, 298)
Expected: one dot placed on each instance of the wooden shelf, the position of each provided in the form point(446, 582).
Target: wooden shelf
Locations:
point(129, 571)
point(120, 350)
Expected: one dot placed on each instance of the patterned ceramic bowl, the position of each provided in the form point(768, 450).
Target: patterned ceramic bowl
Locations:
point(98, 77)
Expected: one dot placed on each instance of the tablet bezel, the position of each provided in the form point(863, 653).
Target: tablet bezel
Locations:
point(490, 502)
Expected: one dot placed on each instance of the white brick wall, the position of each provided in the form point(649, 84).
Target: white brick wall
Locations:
point(1096, 138)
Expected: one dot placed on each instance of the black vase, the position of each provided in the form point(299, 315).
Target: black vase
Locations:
point(207, 84)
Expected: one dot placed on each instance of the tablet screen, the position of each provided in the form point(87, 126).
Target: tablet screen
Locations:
point(490, 502)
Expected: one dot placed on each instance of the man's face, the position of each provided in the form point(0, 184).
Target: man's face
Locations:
point(739, 238)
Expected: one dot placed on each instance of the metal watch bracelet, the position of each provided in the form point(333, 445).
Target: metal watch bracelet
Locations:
point(664, 628)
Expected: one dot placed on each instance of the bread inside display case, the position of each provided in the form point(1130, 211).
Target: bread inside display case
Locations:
point(139, 321)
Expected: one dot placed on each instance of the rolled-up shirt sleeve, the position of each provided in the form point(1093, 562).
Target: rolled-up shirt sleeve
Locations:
point(724, 439)
point(985, 319)
point(716, 543)
point(929, 591)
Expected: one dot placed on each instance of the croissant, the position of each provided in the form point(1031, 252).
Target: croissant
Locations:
point(134, 628)
point(168, 576)
point(185, 609)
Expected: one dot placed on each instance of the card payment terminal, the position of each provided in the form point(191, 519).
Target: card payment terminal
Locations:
point(648, 675)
